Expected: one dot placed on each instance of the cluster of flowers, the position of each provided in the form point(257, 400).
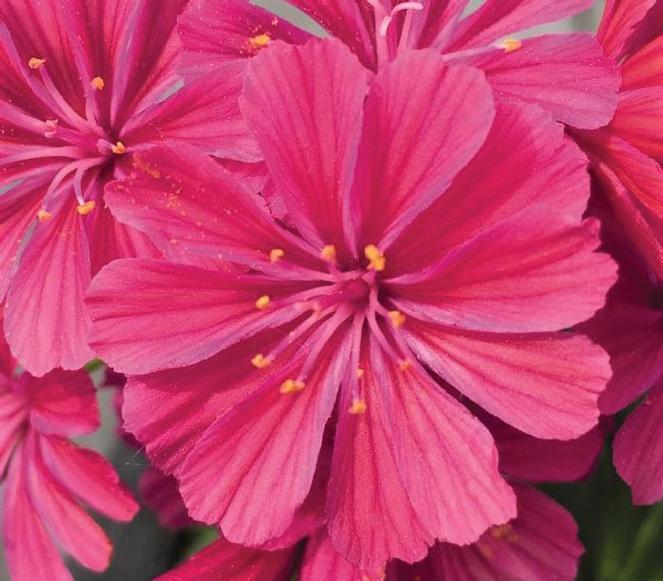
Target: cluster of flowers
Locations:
point(368, 288)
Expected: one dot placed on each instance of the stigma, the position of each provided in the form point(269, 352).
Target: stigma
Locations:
point(376, 259)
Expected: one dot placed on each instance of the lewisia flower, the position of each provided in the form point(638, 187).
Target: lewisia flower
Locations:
point(627, 154)
point(46, 477)
point(84, 83)
point(584, 94)
point(630, 327)
point(540, 543)
point(430, 248)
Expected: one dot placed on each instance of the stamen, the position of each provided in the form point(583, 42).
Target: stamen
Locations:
point(51, 127)
point(375, 257)
point(404, 364)
point(85, 208)
point(260, 361)
point(276, 254)
point(44, 215)
point(292, 386)
point(328, 253)
point(263, 302)
point(97, 83)
point(387, 20)
point(358, 407)
point(36, 63)
point(509, 45)
point(260, 41)
point(119, 148)
point(397, 319)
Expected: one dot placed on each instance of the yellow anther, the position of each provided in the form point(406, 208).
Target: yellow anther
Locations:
point(263, 302)
point(375, 257)
point(358, 406)
point(328, 253)
point(35, 63)
point(86, 208)
point(510, 45)
point(260, 361)
point(260, 41)
point(97, 83)
point(276, 254)
point(44, 215)
point(292, 385)
point(119, 148)
point(397, 319)
point(360, 372)
point(404, 364)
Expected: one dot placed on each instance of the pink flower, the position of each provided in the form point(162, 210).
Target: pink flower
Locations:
point(583, 95)
point(46, 477)
point(432, 245)
point(627, 154)
point(630, 327)
point(83, 84)
point(160, 494)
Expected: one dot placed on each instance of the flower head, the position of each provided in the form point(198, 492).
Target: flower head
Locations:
point(85, 84)
point(420, 252)
point(46, 477)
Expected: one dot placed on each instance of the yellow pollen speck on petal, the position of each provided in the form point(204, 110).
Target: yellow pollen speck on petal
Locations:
point(360, 372)
point(276, 254)
point(358, 407)
point(36, 63)
point(97, 83)
point(260, 41)
point(119, 148)
point(86, 208)
point(292, 385)
point(397, 319)
point(260, 361)
point(510, 45)
point(376, 259)
point(404, 364)
point(263, 302)
point(44, 215)
point(328, 253)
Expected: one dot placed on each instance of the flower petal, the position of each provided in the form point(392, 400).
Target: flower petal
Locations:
point(308, 126)
point(546, 385)
point(63, 402)
point(46, 323)
point(519, 276)
point(206, 311)
point(268, 445)
point(638, 449)
point(449, 114)
point(620, 20)
point(498, 18)
point(644, 68)
point(524, 162)
point(584, 93)
point(639, 118)
point(161, 495)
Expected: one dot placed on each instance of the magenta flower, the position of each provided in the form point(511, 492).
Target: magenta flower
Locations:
point(84, 83)
point(630, 327)
point(421, 252)
point(46, 477)
point(627, 154)
point(583, 95)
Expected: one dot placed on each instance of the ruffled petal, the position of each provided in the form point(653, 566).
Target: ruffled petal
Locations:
point(268, 445)
point(449, 114)
point(525, 161)
point(620, 20)
point(206, 312)
point(46, 322)
point(639, 120)
point(308, 125)
point(496, 19)
point(546, 385)
point(645, 68)
point(218, 33)
point(519, 276)
point(231, 562)
point(62, 402)
point(584, 93)
point(638, 449)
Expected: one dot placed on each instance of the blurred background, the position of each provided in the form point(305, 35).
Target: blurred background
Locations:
point(623, 543)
